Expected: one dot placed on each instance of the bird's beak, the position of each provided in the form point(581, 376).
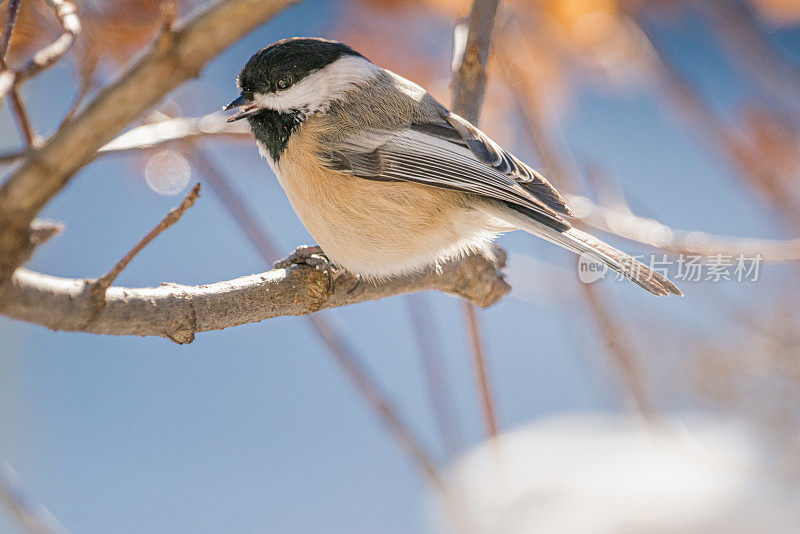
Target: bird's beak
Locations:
point(247, 108)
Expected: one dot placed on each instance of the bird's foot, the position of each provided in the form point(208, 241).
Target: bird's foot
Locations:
point(314, 257)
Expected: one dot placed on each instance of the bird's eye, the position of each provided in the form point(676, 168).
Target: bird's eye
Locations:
point(284, 83)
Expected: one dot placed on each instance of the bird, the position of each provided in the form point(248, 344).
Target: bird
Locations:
point(388, 180)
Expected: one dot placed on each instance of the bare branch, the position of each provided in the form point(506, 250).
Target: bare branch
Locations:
point(11, 18)
point(50, 55)
point(559, 160)
point(481, 372)
point(469, 87)
point(178, 129)
point(422, 321)
point(32, 516)
point(178, 312)
point(658, 235)
point(21, 115)
point(621, 351)
point(173, 59)
point(469, 78)
point(42, 230)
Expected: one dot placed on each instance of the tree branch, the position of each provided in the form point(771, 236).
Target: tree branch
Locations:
point(17, 106)
point(178, 312)
point(32, 516)
point(175, 57)
point(469, 87)
point(50, 55)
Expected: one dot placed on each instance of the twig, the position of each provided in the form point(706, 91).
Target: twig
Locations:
point(559, 161)
point(469, 78)
point(469, 87)
point(165, 132)
point(481, 374)
point(422, 322)
point(747, 44)
point(21, 115)
point(689, 104)
point(621, 351)
point(42, 230)
point(8, 27)
point(104, 282)
point(45, 171)
point(47, 57)
point(336, 344)
point(658, 235)
point(33, 517)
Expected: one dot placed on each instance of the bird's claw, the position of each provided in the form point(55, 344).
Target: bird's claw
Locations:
point(312, 256)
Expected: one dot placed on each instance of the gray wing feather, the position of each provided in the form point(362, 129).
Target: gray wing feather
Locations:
point(416, 156)
point(493, 155)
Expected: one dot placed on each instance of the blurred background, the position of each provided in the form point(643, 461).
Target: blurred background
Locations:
point(677, 111)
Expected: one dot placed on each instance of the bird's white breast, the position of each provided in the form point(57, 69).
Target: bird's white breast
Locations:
point(377, 229)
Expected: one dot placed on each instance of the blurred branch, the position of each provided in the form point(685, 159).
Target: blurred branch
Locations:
point(658, 235)
point(760, 171)
point(469, 88)
point(178, 312)
point(178, 129)
point(50, 55)
point(481, 371)
point(176, 56)
point(21, 115)
point(558, 159)
point(469, 78)
point(335, 342)
point(618, 345)
point(31, 516)
point(422, 321)
point(747, 43)
point(165, 132)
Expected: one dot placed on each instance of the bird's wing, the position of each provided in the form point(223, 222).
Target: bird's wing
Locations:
point(427, 156)
point(458, 130)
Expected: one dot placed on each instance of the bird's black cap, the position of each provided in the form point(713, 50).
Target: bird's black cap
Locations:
point(296, 57)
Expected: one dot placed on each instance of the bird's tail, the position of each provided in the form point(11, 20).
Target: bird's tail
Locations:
point(583, 243)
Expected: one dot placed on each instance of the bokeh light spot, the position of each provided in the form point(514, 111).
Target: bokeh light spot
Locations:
point(167, 173)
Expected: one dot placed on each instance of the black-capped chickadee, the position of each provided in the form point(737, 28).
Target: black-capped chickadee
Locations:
point(387, 179)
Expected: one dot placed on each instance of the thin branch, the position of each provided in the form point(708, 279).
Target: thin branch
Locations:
point(336, 344)
point(21, 115)
point(11, 17)
point(173, 59)
point(43, 230)
point(749, 46)
point(658, 235)
point(559, 161)
point(166, 132)
point(47, 57)
point(33, 517)
point(177, 130)
point(469, 78)
point(481, 373)
point(469, 87)
point(104, 282)
point(422, 321)
point(688, 102)
point(619, 347)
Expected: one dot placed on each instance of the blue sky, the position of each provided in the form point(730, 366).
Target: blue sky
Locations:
point(255, 429)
